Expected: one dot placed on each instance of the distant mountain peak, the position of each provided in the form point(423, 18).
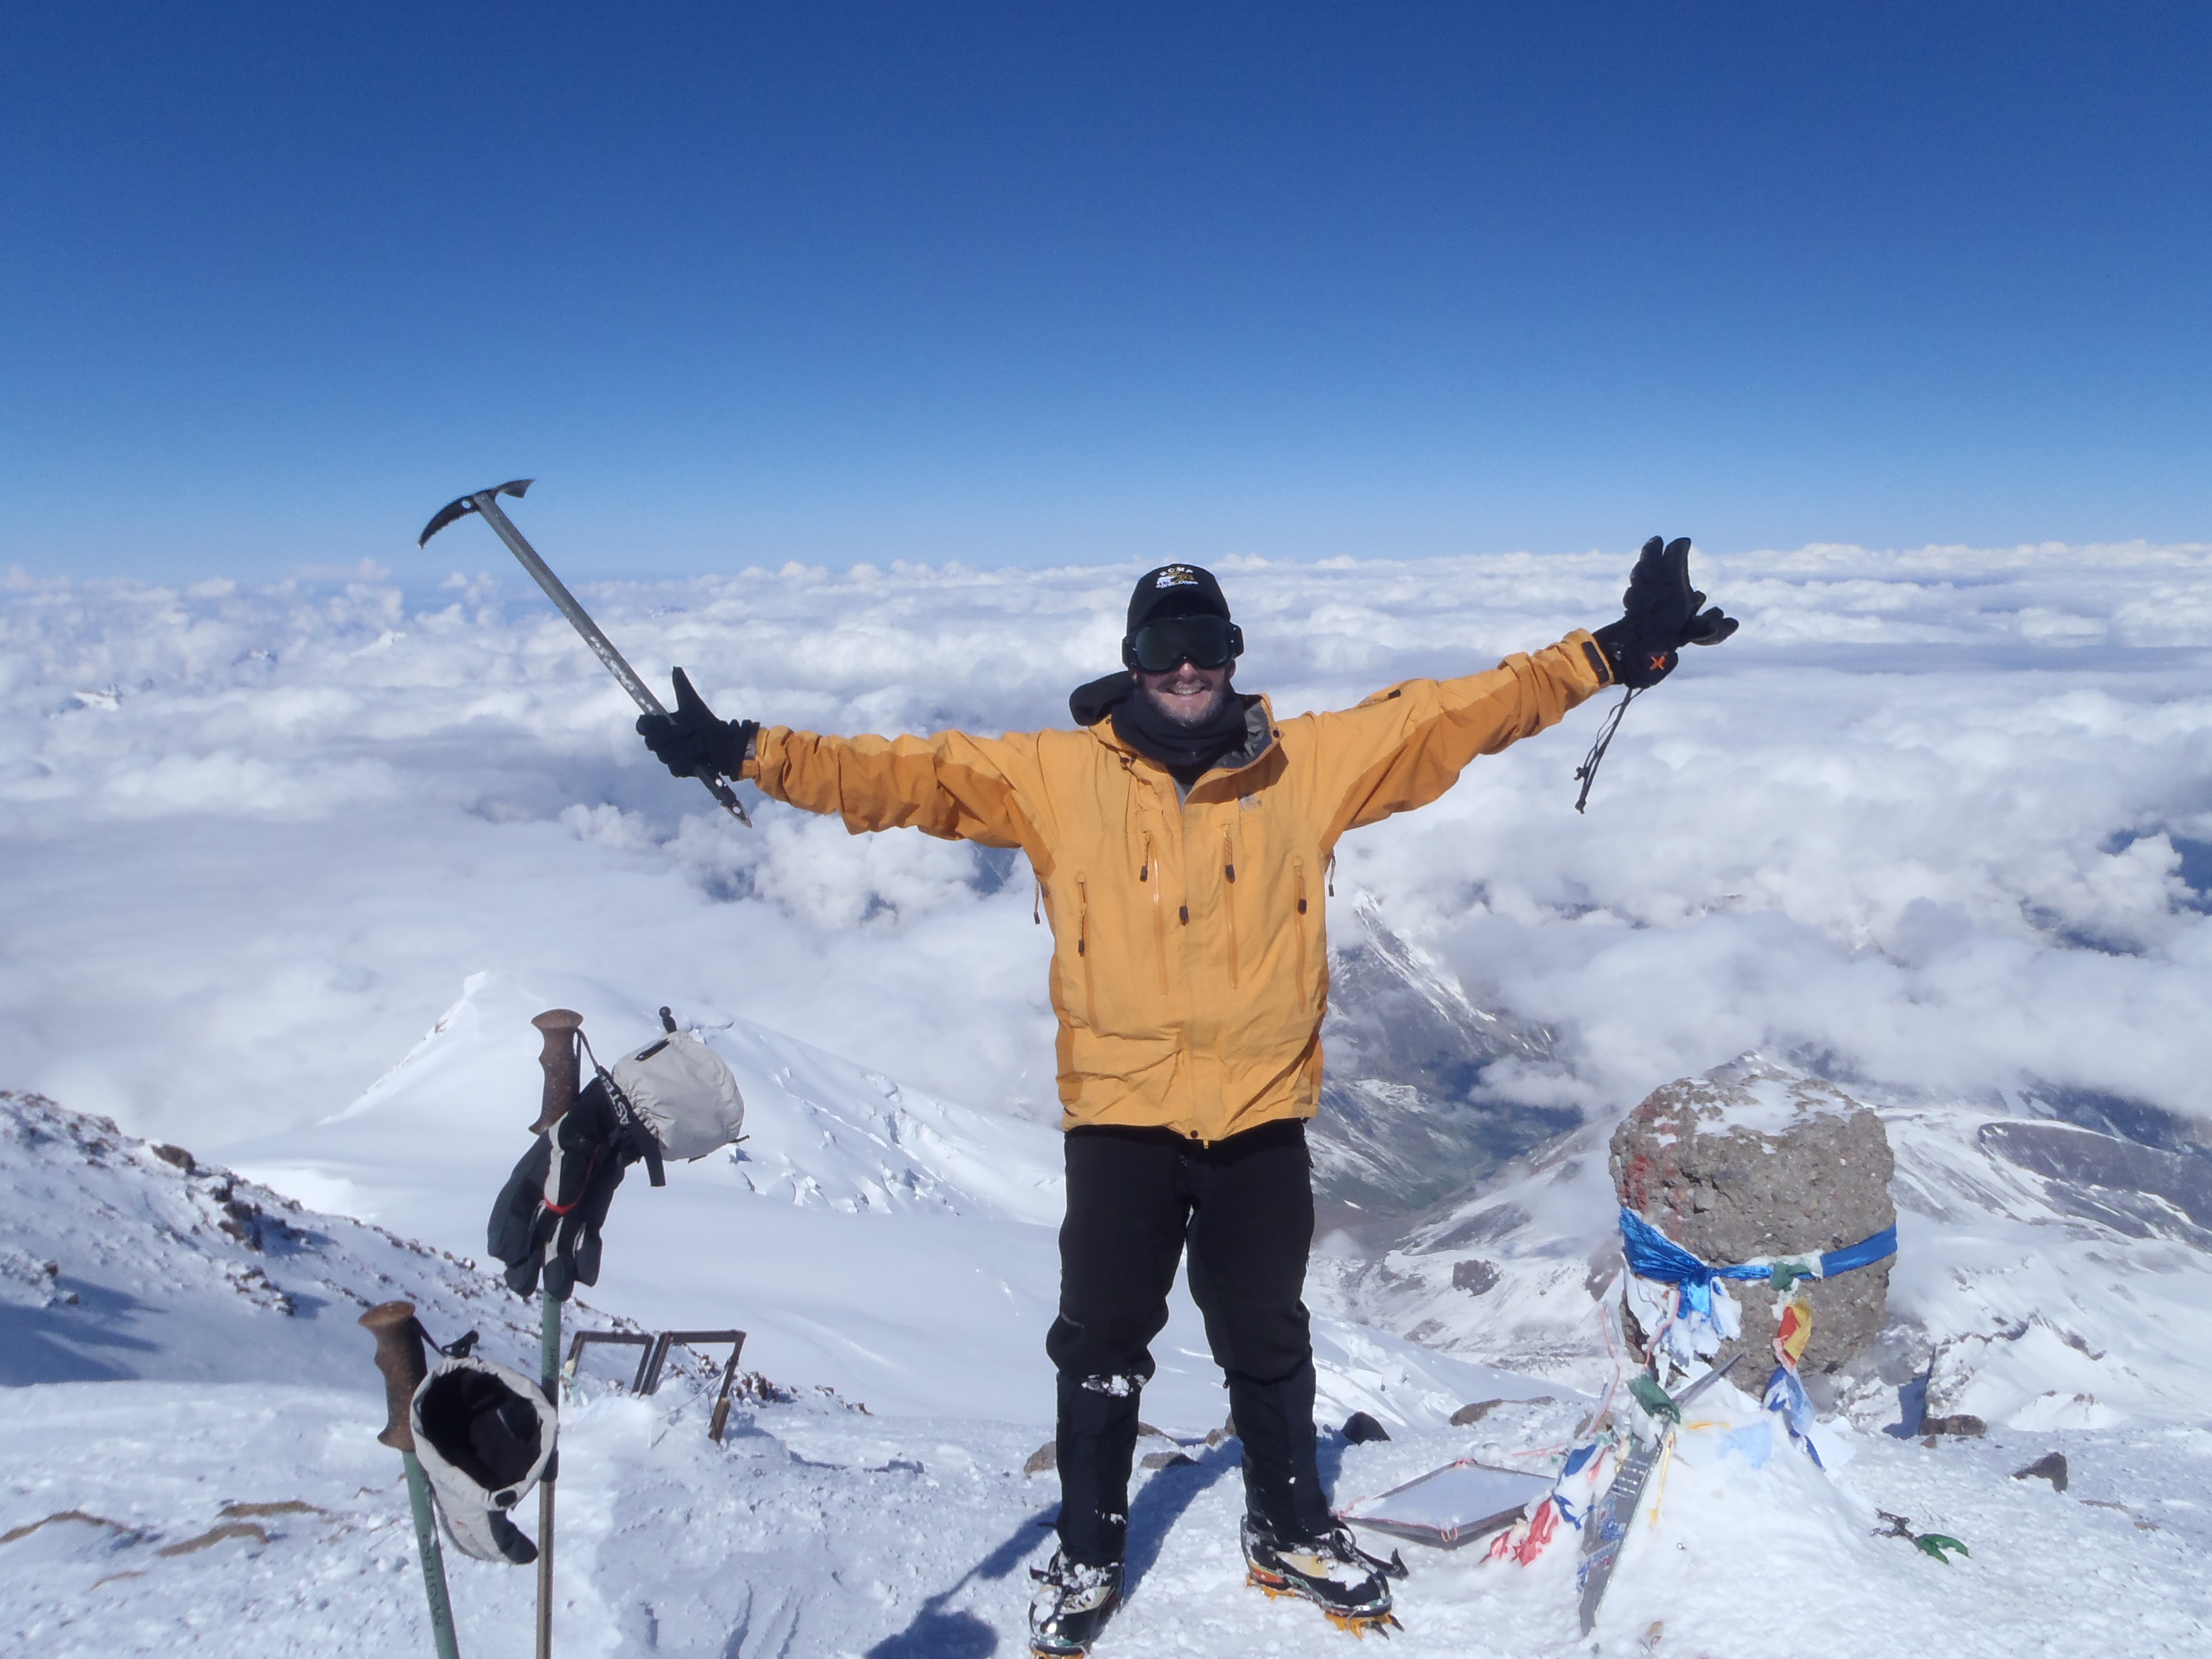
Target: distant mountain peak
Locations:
point(1403, 1122)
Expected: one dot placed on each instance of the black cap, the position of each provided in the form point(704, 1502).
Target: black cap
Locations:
point(1176, 590)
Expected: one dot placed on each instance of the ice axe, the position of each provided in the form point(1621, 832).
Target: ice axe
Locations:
point(484, 503)
point(399, 1357)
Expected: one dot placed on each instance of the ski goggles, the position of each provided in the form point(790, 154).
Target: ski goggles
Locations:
point(1202, 642)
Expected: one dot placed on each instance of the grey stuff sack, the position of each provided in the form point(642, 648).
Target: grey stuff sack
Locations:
point(682, 1090)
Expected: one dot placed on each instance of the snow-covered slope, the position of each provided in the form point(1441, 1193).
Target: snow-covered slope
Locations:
point(122, 1259)
point(2041, 1300)
point(229, 1487)
point(900, 1249)
point(896, 1247)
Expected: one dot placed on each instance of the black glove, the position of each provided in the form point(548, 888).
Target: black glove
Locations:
point(692, 740)
point(1642, 648)
point(547, 1218)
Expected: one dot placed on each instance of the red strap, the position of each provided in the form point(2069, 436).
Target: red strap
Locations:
point(563, 1209)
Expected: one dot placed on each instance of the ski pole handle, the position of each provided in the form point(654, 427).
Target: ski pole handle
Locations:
point(560, 1063)
point(399, 1357)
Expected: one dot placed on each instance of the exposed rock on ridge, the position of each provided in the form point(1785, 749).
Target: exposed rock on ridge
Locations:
point(119, 1259)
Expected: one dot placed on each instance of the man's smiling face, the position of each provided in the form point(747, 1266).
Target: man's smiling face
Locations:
point(1186, 694)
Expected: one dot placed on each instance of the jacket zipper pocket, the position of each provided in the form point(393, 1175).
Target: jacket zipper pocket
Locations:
point(1083, 949)
point(1159, 921)
point(1298, 869)
point(1229, 899)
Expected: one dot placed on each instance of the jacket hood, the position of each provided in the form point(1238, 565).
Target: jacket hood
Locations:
point(1092, 702)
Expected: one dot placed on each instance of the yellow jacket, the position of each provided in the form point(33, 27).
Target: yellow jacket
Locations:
point(1190, 960)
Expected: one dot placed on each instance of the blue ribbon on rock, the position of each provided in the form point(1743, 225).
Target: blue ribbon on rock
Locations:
point(1652, 1254)
point(1866, 1252)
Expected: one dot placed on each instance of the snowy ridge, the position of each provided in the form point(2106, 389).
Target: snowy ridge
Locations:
point(873, 1239)
point(819, 1130)
point(124, 1260)
point(2021, 1306)
point(143, 1516)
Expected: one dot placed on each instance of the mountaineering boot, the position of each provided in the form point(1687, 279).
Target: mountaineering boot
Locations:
point(1072, 1605)
point(1348, 1584)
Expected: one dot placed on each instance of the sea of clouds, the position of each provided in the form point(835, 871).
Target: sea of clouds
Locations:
point(1939, 819)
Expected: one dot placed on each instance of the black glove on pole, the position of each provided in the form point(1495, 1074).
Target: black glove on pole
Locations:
point(692, 737)
point(1660, 615)
point(547, 1218)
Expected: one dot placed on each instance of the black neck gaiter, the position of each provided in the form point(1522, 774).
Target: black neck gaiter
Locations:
point(1187, 752)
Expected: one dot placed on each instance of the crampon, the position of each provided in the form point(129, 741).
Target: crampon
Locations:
point(1351, 1587)
point(1360, 1624)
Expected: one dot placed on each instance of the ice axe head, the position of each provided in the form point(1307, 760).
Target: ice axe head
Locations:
point(454, 509)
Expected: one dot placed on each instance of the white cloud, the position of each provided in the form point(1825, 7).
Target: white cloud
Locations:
point(1920, 815)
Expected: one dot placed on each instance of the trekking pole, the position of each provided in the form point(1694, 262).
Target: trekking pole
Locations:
point(549, 1370)
point(399, 1357)
point(558, 1059)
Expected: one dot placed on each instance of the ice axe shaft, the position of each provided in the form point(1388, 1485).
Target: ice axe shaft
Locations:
point(484, 503)
point(399, 1357)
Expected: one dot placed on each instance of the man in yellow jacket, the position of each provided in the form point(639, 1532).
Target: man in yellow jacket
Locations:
point(1181, 832)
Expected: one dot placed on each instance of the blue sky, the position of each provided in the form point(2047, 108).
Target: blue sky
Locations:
point(1025, 283)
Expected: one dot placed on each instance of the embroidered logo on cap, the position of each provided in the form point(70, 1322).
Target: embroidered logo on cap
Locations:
point(1176, 576)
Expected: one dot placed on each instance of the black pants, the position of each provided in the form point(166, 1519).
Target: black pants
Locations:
point(1244, 1207)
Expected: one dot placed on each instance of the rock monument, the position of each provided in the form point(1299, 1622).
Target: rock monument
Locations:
point(1754, 1160)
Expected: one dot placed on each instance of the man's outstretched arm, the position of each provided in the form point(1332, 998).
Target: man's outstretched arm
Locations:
point(1407, 745)
point(951, 784)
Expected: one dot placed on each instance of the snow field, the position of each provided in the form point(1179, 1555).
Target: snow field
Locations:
point(869, 1237)
point(818, 1530)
